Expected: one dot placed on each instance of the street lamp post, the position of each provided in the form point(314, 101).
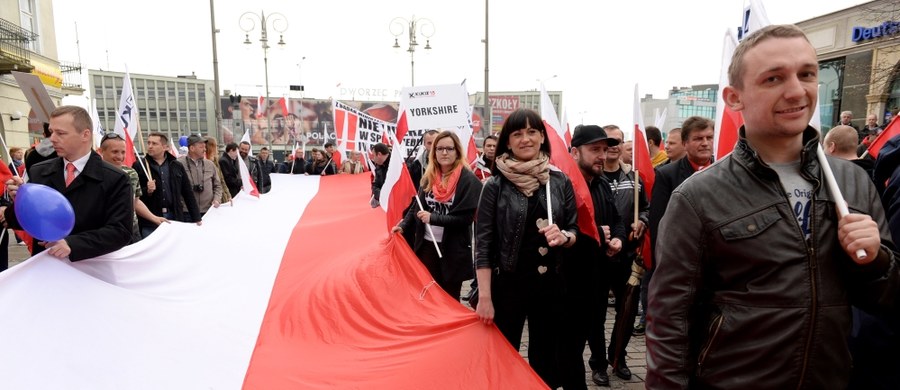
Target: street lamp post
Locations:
point(414, 26)
point(277, 22)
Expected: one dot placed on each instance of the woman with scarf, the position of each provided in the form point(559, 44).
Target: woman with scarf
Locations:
point(449, 194)
point(518, 248)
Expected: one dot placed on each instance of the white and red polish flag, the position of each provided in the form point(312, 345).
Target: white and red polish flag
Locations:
point(127, 119)
point(261, 109)
point(173, 149)
point(644, 167)
point(560, 157)
point(567, 133)
point(361, 320)
point(398, 189)
point(728, 121)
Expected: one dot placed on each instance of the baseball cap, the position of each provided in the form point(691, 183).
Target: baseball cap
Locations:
point(589, 134)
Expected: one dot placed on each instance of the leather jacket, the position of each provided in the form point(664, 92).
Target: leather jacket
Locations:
point(500, 222)
point(622, 191)
point(741, 299)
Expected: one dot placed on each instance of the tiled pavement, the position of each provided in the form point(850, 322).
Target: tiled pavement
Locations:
point(636, 349)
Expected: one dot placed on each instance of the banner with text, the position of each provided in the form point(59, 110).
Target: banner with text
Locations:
point(440, 107)
point(358, 130)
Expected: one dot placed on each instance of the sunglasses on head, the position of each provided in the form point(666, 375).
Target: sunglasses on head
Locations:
point(111, 136)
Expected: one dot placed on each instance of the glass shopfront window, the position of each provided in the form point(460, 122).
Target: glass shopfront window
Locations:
point(831, 75)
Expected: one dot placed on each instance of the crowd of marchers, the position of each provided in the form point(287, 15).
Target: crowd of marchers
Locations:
point(756, 280)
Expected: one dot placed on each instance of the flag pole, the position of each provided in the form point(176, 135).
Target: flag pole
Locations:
point(637, 191)
point(430, 230)
point(835, 191)
point(549, 210)
point(15, 171)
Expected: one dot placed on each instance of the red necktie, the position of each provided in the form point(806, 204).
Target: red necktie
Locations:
point(70, 173)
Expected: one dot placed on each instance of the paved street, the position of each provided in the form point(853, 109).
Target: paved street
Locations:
point(636, 350)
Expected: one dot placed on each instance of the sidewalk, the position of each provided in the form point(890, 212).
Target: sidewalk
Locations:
point(636, 350)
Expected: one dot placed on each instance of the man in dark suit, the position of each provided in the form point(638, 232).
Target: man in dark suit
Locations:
point(98, 191)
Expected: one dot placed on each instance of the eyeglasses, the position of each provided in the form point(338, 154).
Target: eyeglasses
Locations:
point(111, 136)
point(444, 149)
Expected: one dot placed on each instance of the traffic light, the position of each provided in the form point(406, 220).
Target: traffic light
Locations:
point(297, 88)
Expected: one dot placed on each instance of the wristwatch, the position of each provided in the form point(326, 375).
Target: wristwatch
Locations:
point(568, 236)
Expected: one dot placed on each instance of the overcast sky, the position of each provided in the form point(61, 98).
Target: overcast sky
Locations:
point(597, 50)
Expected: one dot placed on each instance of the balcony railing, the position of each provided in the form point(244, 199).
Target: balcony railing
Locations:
point(14, 53)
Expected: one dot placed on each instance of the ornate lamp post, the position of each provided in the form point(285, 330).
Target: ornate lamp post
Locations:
point(277, 22)
point(414, 26)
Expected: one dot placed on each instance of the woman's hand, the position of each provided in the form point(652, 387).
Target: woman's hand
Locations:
point(554, 236)
point(424, 216)
point(485, 310)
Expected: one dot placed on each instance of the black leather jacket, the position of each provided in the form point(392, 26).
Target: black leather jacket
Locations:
point(501, 216)
point(741, 299)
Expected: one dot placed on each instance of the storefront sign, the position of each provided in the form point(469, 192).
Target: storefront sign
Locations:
point(881, 30)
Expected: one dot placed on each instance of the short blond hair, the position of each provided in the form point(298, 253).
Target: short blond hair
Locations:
point(845, 139)
point(736, 68)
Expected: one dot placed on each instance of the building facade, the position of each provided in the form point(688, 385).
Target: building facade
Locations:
point(28, 45)
point(682, 103)
point(174, 106)
point(504, 103)
point(859, 61)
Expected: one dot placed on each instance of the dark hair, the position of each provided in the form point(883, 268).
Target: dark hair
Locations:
point(264, 148)
point(381, 149)
point(492, 136)
point(109, 136)
point(161, 136)
point(653, 135)
point(518, 120)
point(329, 144)
point(47, 132)
point(231, 146)
point(245, 143)
point(692, 124)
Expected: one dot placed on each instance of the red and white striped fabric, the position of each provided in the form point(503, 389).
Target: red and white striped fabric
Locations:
point(127, 119)
point(297, 290)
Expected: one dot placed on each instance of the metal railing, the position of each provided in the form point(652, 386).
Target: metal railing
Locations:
point(14, 53)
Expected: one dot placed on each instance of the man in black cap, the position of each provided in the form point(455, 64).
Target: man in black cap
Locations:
point(582, 269)
point(201, 172)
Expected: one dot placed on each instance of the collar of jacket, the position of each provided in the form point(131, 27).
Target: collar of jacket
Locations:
point(746, 155)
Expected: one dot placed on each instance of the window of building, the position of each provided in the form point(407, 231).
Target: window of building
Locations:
point(831, 75)
point(29, 21)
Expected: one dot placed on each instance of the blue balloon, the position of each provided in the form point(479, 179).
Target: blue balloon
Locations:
point(44, 212)
point(183, 140)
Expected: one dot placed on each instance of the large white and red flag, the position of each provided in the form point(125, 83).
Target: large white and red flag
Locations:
point(398, 189)
point(728, 121)
point(155, 315)
point(644, 167)
point(568, 131)
point(127, 119)
point(560, 157)
point(247, 183)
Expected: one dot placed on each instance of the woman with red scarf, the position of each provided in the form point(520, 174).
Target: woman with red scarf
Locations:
point(449, 194)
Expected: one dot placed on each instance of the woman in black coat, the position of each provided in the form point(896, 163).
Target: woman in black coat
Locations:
point(449, 195)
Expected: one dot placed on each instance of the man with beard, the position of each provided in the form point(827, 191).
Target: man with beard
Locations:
point(250, 162)
point(483, 163)
point(622, 183)
point(584, 301)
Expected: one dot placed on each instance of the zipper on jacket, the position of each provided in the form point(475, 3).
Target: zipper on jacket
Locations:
point(713, 332)
point(811, 260)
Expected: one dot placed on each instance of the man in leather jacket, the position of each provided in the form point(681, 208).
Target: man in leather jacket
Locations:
point(584, 267)
point(755, 271)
